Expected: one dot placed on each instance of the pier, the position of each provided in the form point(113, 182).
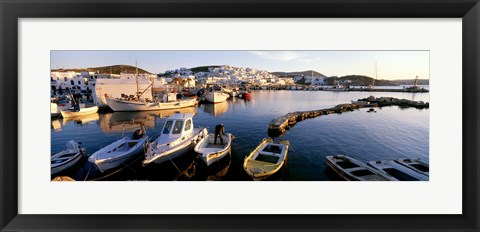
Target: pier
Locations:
point(280, 124)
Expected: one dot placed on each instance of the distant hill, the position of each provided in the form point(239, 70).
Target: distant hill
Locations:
point(302, 73)
point(114, 69)
point(412, 81)
point(359, 80)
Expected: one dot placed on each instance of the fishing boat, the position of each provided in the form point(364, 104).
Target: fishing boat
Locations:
point(125, 104)
point(234, 92)
point(209, 151)
point(177, 138)
point(351, 169)
point(216, 96)
point(244, 94)
point(266, 159)
point(398, 171)
point(65, 159)
point(78, 111)
point(139, 103)
point(418, 165)
point(120, 151)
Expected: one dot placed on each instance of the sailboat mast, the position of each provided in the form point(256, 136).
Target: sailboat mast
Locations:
point(136, 79)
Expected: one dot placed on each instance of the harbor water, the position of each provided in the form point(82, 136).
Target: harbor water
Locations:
point(387, 134)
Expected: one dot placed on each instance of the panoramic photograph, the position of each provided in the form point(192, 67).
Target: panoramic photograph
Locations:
point(241, 115)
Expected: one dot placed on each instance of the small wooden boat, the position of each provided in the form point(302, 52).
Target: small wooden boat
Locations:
point(399, 172)
point(79, 112)
point(266, 159)
point(351, 169)
point(65, 159)
point(119, 151)
point(417, 165)
point(177, 138)
point(210, 152)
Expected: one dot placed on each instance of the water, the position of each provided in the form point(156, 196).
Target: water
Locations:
point(390, 133)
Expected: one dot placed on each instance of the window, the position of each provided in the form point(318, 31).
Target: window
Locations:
point(168, 126)
point(72, 82)
point(79, 82)
point(178, 127)
point(188, 125)
point(65, 78)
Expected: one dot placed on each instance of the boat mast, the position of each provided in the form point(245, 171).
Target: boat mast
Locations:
point(136, 79)
point(375, 74)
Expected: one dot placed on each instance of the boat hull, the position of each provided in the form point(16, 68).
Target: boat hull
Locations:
point(109, 163)
point(57, 168)
point(210, 156)
point(82, 112)
point(123, 105)
point(216, 97)
point(187, 146)
point(260, 170)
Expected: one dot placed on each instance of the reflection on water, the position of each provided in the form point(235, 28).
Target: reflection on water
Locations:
point(390, 133)
point(81, 120)
point(56, 125)
point(216, 109)
point(130, 121)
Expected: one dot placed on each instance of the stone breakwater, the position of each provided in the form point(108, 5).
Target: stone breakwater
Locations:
point(278, 125)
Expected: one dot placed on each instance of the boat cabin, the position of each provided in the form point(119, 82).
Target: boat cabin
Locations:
point(177, 126)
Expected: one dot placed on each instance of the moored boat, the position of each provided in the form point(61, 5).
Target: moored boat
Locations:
point(65, 159)
point(397, 171)
point(209, 151)
point(120, 151)
point(351, 169)
point(178, 137)
point(54, 112)
point(135, 105)
point(418, 165)
point(70, 113)
point(266, 159)
point(216, 97)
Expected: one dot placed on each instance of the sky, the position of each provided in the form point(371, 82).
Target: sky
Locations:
point(390, 64)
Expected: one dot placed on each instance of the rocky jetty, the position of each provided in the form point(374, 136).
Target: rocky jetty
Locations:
point(278, 125)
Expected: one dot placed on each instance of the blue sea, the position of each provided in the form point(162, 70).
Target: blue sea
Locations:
point(390, 133)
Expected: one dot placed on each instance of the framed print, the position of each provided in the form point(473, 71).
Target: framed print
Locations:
point(300, 95)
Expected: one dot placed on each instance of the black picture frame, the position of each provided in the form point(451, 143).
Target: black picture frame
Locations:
point(11, 11)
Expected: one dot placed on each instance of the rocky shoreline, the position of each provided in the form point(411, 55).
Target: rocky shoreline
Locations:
point(280, 124)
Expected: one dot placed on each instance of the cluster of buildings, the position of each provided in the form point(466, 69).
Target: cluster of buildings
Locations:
point(95, 85)
point(227, 74)
point(312, 80)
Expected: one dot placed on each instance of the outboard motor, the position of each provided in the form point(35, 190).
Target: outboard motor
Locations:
point(138, 134)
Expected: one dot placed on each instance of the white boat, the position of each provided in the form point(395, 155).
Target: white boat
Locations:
point(70, 113)
point(120, 151)
point(210, 152)
point(266, 159)
point(54, 112)
point(351, 169)
point(65, 159)
point(337, 88)
point(216, 97)
point(418, 165)
point(398, 171)
point(178, 137)
point(234, 92)
point(134, 105)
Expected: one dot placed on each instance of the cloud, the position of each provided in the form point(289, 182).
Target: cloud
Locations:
point(278, 55)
